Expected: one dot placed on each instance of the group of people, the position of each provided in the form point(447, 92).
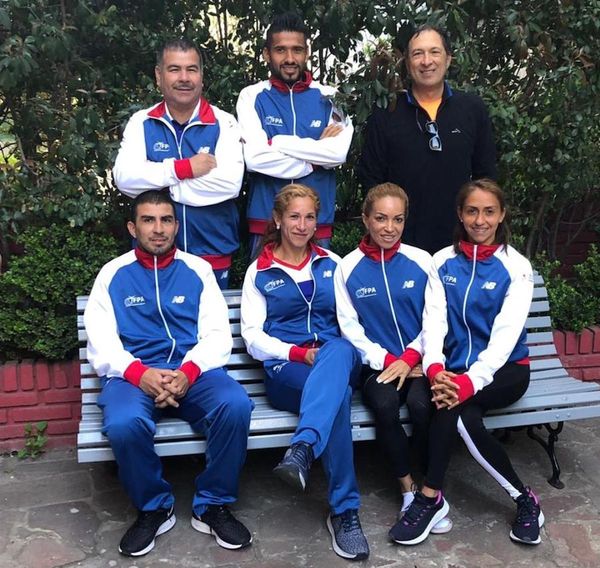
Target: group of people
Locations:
point(443, 333)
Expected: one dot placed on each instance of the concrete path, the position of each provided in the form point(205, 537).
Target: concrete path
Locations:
point(56, 512)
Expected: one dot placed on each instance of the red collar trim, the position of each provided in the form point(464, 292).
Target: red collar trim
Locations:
point(373, 251)
point(266, 257)
point(147, 260)
point(202, 113)
point(297, 87)
point(483, 251)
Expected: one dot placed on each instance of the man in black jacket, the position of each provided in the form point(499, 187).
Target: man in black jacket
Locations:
point(434, 141)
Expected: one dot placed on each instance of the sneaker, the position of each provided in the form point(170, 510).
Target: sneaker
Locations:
point(441, 527)
point(139, 538)
point(530, 519)
point(218, 521)
point(347, 536)
point(294, 467)
point(422, 515)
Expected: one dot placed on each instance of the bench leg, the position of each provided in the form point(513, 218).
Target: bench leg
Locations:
point(549, 447)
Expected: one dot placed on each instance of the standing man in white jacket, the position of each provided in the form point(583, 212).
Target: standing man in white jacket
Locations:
point(292, 131)
point(194, 149)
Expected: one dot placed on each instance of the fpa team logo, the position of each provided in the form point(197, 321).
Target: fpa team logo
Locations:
point(366, 291)
point(450, 280)
point(274, 284)
point(161, 147)
point(132, 301)
point(273, 120)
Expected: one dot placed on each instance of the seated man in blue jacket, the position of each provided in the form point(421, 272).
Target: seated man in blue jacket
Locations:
point(159, 337)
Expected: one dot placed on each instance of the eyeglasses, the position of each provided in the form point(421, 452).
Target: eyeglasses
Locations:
point(431, 127)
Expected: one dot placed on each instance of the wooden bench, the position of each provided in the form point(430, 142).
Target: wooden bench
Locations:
point(553, 397)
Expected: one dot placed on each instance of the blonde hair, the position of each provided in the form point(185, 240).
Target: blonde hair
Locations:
point(386, 189)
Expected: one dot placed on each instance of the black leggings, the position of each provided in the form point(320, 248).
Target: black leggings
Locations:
point(385, 402)
point(509, 385)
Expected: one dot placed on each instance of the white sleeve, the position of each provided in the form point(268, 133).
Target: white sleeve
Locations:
point(133, 173)
point(105, 350)
point(214, 334)
point(259, 155)
point(328, 152)
point(224, 181)
point(507, 327)
point(372, 353)
point(435, 319)
point(253, 314)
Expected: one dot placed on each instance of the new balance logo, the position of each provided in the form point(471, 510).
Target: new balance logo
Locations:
point(178, 300)
point(274, 284)
point(273, 121)
point(204, 150)
point(131, 301)
point(327, 273)
point(408, 284)
point(366, 291)
point(488, 285)
point(315, 124)
point(161, 147)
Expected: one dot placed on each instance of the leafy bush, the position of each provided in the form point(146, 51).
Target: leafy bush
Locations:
point(574, 303)
point(37, 293)
point(346, 237)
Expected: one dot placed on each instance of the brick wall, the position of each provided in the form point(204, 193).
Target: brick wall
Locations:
point(580, 353)
point(31, 391)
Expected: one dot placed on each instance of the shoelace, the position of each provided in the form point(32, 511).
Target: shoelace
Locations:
point(416, 510)
point(301, 456)
point(526, 510)
point(350, 521)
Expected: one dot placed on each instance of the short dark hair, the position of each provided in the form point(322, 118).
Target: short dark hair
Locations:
point(286, 22)
point(442, 32)
point(155, 196)
point(177, 44)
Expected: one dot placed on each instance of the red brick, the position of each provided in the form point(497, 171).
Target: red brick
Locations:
point(586, 341)
point(570, 343)
point(42, 375)
point(68, 441)
point(3, 416)
point(26, 375)
point(59, 427)
point(9, 431)
point(9, 377)
point(12, 445)
point(575, 373)
point(559, 340)
point(74, 375)
point(62, 395)
point(591, 374)
point(54, 412)
point(596, 330)
point(59, 377)
point(18, 399)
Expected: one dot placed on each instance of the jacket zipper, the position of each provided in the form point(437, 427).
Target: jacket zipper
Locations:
point(464, 309)
point(156, 287)
point(389, 297)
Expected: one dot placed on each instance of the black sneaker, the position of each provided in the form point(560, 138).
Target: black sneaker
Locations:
point(139, 538)
point(294, 467)
point(422, 515)
point(347, 537)
point(218, 521)
point(530, 519)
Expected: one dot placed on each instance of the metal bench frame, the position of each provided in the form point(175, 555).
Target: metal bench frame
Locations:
point(553, 397)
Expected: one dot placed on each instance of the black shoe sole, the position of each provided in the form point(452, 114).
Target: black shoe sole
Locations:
point(291, 476)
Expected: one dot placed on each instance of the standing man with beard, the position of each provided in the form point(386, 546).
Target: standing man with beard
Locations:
point(193, 148)
point(291, 130)
point(435, 140)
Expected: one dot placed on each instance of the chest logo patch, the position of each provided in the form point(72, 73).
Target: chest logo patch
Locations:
point(450, 280)
point(327, 273)
point(315, 124)
point(204, 150)
point(178, 300)
point(274, 284)
point(488, 285)
point(161, 147)
point(408, 284)
point(132, 301)
point(366, 291)
point(273, 121)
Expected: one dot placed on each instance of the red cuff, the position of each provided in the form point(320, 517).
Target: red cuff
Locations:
point(411, 357)
point(183, 169)
point(191, 371)
point(134, 372)
point(466, 389)
point(389, 359)
point(433, 370)
point(297, 354)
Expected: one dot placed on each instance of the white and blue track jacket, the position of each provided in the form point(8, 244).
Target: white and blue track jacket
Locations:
point(380, 296)
point(281, 127)
point(476, 305)
point(147, 311)
point(150, 157)
point(276, 319)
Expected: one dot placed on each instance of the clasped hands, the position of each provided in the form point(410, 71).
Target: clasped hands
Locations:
point(165, 385)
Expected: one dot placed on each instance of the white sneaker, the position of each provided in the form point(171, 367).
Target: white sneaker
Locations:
point(441, 527)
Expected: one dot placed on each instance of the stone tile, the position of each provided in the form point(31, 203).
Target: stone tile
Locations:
point(47, 552)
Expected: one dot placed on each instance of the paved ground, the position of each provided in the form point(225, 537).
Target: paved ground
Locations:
point(56, 512)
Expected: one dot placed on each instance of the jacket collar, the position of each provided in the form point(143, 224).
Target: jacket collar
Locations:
point(266, 258)
point(147, 260)
point(447, 93)
point(373, 251)
point(203, 113)
point(297, 87)
point(483, 251)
